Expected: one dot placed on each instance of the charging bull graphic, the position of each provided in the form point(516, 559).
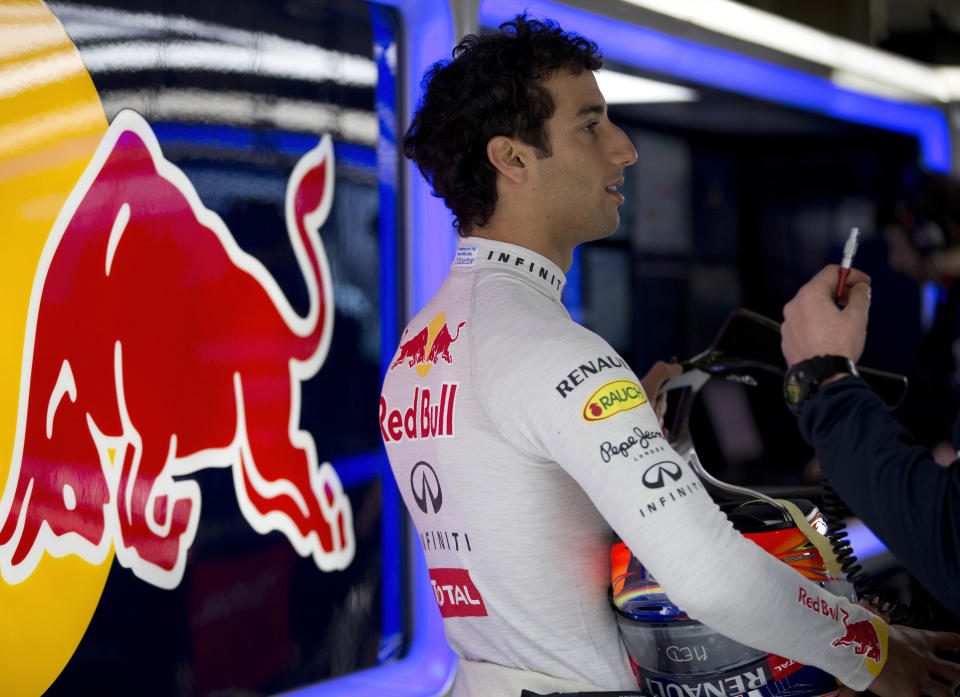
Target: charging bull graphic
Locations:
point(428, 346)
point(862, 636)
point(155, 348)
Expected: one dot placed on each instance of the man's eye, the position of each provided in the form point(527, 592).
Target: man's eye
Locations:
point(590, 127)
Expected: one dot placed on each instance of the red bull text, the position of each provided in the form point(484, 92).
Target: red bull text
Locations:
point(424, 419)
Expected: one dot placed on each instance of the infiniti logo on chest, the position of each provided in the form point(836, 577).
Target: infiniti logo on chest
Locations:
point(425, 486)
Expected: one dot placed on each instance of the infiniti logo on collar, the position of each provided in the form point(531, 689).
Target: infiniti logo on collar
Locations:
point(653, 476)
point(425, 486)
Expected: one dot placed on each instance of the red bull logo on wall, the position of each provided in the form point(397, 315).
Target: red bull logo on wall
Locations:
point(155, 348)
point(427, 347)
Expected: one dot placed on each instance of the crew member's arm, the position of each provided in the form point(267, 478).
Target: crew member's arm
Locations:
point(890, 482)
point(602, 430)
point(886, 478)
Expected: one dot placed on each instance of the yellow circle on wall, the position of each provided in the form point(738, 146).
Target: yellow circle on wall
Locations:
point(50, 125)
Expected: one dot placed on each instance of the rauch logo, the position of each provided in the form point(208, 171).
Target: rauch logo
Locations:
point(614, 397)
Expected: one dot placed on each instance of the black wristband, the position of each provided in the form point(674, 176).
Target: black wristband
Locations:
point(802, 380)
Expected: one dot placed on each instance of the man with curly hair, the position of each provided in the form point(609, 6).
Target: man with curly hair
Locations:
point(519, 439)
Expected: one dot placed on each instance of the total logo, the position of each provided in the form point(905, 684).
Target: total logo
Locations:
point(456, 595)
point(782, 667)
point(427, 347)
point(613, 398)
point(423, 419)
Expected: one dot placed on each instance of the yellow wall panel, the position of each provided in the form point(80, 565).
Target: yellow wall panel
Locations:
point(51, 121)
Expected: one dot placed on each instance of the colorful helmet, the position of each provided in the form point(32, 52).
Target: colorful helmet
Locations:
point(672, 654)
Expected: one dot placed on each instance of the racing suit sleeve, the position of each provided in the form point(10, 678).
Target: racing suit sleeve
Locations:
point(889, 481)
point(595, 422)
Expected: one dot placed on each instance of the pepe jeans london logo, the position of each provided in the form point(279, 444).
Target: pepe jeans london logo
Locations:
point(425, 486)
point(638, 437)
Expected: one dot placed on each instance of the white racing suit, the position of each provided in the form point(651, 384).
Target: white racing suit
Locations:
point(518, 440)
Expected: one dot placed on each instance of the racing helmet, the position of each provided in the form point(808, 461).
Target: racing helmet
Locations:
point(672, 654)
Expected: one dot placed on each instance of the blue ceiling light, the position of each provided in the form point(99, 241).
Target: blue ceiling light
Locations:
point(655, 51)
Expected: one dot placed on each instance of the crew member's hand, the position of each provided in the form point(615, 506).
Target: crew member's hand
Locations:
point(813, 325)
point(653, 380)
point(913, 667)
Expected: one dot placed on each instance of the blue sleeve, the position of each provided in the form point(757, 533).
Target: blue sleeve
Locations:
point(890, 482)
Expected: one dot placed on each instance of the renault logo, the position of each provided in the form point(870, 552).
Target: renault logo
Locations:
point(425, 486)
point(653, 475)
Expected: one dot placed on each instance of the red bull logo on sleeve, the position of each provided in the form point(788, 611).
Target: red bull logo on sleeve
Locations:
point(427, 347)
point(155, 348)
point(862, 637)
point(867, 637)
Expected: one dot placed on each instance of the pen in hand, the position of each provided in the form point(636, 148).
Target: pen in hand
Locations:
point(849, 250)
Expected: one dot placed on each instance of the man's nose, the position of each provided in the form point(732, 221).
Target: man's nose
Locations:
point(624, 154)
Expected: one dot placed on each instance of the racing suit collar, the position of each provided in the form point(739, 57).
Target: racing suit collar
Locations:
point(534, 269)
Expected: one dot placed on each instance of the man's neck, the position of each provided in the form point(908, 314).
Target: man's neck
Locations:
point(561, 255)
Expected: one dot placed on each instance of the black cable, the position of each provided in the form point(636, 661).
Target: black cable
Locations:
point(899, 612)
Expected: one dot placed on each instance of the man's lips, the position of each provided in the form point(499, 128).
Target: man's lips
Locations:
point(614, 190)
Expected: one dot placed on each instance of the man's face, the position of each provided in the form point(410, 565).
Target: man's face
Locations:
point(578, 185)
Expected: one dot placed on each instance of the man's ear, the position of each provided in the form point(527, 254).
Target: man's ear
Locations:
point(509, 157)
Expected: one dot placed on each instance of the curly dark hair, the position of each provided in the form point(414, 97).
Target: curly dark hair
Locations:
point(491, 87)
